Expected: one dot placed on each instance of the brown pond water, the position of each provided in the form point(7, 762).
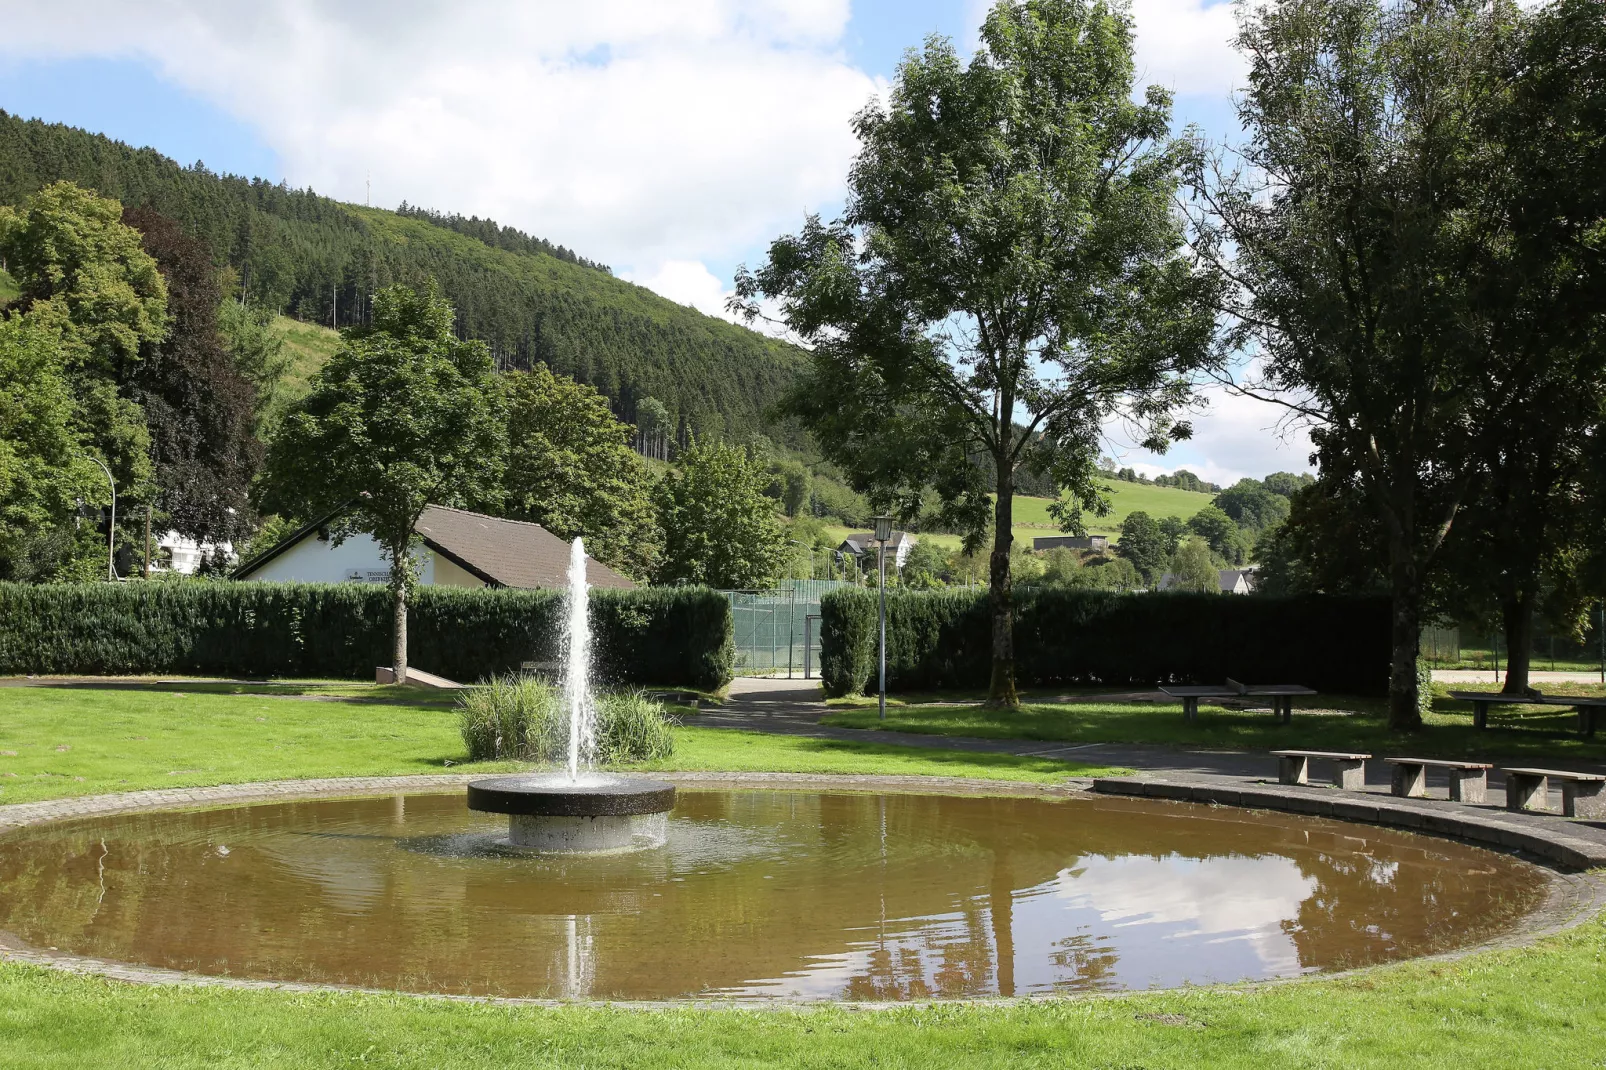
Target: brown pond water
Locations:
point(757, 894)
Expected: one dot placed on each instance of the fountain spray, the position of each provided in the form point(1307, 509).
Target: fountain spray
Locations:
point(577, 667)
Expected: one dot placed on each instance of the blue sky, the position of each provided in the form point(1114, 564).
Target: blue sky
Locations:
point(616, 127)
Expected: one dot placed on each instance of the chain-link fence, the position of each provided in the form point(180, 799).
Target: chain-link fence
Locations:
point(1470, 647)
point(778, 630)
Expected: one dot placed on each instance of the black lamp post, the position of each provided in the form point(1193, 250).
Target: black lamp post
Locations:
point(883, 533)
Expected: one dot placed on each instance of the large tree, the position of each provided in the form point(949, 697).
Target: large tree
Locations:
point(198, 406)
point(403, 416)
point(1540, 294)
point(1352, 229)
point(1008, 272)
point(570, 469)
point(720, 529)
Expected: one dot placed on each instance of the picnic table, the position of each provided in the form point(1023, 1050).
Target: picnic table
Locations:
point(1589, 709)
point(1281, 695)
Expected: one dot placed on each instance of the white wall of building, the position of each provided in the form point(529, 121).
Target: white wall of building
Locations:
point(356, 560)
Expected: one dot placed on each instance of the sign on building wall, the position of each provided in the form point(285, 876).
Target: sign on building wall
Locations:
point(367, 575)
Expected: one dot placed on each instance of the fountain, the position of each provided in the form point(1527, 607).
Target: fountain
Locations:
point(577, 810)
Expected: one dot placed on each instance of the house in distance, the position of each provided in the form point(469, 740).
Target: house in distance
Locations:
point(461, 549)
point(862, 544)
point(1096, 543)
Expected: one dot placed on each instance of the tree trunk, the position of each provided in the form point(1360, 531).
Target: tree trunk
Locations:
point(398, 587)
point(1405, 637)
point(1001, 692)
point(1518, 614)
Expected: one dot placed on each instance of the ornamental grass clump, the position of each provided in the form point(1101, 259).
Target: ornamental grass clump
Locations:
point(522, 718)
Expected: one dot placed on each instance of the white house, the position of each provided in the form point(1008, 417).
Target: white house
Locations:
point(861, 543)
point(1232, 580)
point(460, 549)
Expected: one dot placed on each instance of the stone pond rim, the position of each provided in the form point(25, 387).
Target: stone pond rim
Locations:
point(551, 797)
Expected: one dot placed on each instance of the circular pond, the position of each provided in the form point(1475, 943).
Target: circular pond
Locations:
point(755, 895)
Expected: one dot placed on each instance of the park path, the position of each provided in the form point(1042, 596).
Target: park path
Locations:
point(794, 708)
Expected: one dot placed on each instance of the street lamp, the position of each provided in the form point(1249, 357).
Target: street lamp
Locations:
point(883, 533)
point(111, 534)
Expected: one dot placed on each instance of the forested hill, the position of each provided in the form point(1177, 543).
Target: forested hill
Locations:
point(318, 260)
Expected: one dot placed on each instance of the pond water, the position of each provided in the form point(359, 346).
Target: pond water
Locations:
point(756, 895)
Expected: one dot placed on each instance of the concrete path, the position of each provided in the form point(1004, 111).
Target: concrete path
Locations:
point(794, 708)
point(1535, 677)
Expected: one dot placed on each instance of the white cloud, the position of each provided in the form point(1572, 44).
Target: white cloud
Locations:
point(1186, 45)
point(1233, 437)
point(634, 131)
point(687, 282)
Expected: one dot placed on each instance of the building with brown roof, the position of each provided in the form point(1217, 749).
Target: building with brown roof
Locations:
point(460, 549)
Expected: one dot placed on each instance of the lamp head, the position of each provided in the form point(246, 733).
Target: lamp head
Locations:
point(883, 528)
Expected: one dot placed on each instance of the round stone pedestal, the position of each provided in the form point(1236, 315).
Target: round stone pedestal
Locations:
point(589, 834)
point(597, 813)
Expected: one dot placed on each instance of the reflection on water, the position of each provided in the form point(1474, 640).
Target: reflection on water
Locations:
point(756, 895)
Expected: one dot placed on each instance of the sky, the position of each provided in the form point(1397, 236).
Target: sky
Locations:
point(671, 139)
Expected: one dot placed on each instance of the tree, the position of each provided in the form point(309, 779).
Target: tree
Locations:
point(257, 348)
point(1286, 484)
point(1351, 230)
point(1143, 544)
point(1192, 569)
point(43, 468)
point(199, 408)
point(1008, 272)
point(1539, 292)
point(1220, 532)
point(83, 275)
point(719, 527)
point(403, 416)
point(1172, 528)
point(570, 469)
point(1252, 505)
point(655, 428)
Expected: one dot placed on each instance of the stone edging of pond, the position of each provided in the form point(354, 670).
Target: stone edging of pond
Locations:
point(1572, 898)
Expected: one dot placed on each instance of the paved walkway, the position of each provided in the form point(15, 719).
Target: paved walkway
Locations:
point(794, 708)
point(1535, 676)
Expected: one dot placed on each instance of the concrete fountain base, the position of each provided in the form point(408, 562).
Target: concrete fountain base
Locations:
point(595, 813)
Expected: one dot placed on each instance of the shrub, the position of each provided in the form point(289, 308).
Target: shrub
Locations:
point(1067, 637)
point(522, 718)
point(680, 636)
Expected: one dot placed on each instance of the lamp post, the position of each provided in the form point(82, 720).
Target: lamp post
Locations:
point(111, 532)
point(883, 532)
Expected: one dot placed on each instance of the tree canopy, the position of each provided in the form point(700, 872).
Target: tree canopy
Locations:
point(1007, 273)
point(720, 528)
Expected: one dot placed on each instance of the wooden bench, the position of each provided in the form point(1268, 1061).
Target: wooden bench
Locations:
point(1582, 794)
point(1590, 710)
point(1469, 781)
point(1349, 770)
point(1281, 695)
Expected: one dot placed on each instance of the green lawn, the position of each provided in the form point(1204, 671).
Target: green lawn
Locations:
point(1536, 1006)
point(74, 741)
point(309, 347)
point(1523, 732)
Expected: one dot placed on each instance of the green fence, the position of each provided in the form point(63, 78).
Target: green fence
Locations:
point(778, 630)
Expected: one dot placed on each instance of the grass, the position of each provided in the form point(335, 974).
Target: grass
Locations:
point(57, 742)
point(308, 346)
point(1522, 732)
point(1534, 1006)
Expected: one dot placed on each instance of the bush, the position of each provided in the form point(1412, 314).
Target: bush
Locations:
point(680, 636)
point(943, 640)
point(522, 718)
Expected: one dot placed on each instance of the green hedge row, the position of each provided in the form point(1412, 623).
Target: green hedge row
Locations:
point(679, 636)
point(942, 639)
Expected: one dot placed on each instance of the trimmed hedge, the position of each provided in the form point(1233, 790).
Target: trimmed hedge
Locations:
point(681, 636)
point(943, 639)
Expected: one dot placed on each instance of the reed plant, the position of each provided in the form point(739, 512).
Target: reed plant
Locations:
point(522, 718)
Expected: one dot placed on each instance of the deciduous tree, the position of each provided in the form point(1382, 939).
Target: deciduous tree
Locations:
point(403, 416)
point(1008, 272)
point(720, 529)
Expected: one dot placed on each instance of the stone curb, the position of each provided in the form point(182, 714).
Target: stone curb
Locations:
point(1556, 840)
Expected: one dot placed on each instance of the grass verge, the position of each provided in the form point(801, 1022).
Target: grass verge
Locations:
point(57, 742)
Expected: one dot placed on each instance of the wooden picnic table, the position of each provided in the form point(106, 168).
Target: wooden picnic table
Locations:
point(1589, 709)
point(1281, 695)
